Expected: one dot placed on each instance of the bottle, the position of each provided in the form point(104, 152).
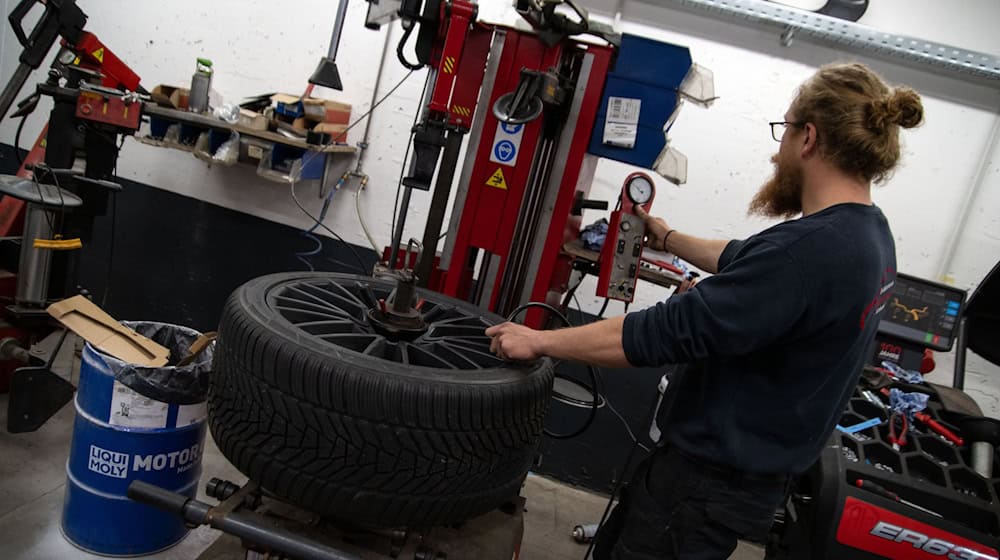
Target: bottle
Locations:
point(201, 82)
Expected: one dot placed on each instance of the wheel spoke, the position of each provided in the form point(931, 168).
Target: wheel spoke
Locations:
point(424, 357)
point(316, 299)
point(336, 300)
point(376, 347)
point(328, 327)
point(454, 355)
point(353, 341)
point(482, 354)
point(367, 294)
point(291, 313)
point(334, 311)
point(308, 305)
point(449, 331)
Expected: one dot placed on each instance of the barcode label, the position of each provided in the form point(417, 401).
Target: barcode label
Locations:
point(624, 110)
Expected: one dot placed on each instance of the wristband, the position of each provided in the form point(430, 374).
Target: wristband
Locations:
point(665, 239)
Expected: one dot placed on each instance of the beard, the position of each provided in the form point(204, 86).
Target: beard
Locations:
point(781, 195)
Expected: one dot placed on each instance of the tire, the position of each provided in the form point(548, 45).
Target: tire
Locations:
point(360, 436)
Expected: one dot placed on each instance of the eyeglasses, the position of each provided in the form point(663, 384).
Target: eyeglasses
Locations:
point(778, 128)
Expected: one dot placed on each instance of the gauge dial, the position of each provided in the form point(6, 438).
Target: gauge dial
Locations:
point(639, 189)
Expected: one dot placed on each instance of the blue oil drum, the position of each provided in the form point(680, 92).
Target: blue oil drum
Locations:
point(119, 436)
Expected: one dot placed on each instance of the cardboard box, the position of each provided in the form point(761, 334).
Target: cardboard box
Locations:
point(94, 325)
point(252, 120)
point(336, 131)
point(171, 96)
point(334, 112)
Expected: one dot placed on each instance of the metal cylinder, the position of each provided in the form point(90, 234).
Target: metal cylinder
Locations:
point(982, 458)
point(584, 533)
point(33, 271)
point(338, 27)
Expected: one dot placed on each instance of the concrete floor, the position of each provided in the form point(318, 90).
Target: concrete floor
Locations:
point(33, 478)
point(33, 481)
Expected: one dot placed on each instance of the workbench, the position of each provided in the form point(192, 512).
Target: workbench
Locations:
point(277, 157)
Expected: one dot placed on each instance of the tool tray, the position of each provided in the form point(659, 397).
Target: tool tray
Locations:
point(928, 471)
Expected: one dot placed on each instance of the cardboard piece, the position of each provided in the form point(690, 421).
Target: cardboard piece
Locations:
point(197, 347)
point(171, 96)
point(252, 120)
point(94, 325)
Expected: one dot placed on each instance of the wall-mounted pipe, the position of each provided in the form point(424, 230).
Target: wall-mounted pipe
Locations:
point(976, 67)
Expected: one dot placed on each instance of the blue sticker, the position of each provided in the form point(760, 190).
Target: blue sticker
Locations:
point(953, 304)
point(952, 312)
point(511, 128)
point(504, 151)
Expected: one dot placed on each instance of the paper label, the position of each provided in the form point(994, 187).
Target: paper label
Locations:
point(255, 152)
point(129, 408)
point(621, 125)
point(188, 414)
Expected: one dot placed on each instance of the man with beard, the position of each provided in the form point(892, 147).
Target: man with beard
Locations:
point(776, 338)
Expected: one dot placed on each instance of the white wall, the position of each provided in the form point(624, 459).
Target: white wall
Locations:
point(943, 202)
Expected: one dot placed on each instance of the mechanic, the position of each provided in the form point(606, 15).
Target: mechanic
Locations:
point(775, 339)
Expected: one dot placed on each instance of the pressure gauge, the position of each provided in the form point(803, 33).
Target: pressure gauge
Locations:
point(639, 189)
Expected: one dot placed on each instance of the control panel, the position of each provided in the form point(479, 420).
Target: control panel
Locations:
point(622, 249)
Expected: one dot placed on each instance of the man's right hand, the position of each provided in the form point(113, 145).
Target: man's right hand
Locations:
point(656, 229)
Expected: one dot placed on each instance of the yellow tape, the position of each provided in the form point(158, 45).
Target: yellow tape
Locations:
point(58, 244)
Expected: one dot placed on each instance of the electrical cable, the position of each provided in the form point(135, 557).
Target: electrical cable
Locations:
point(601, 390)
point(361, 220)
point(320, 147)
point(111, 248)
point(595, 402)
point(614, 492)
point(600, 314)
point(315, 251)
point(17, 140)
point(407, 30)
point(402, 172)
point(316, 220)
point(313, 154)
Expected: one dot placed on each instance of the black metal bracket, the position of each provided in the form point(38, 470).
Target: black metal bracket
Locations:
point(36, 394)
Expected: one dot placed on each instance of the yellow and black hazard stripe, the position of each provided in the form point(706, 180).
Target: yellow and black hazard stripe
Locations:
point(462, 111)
point(448, 65)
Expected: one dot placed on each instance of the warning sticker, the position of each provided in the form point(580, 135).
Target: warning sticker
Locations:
point(129, 408)
point(99, 54)
point(622, 121)
point(496, 180)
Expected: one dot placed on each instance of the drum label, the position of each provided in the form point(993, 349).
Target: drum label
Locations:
point(107, 462)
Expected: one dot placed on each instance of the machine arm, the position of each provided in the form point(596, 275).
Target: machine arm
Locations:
point(62, 18)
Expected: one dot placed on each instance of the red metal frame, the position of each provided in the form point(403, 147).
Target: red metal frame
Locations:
point(460, 15)
point(490, 213)
point(607, 261)
point(108, 110)
point(94, 55)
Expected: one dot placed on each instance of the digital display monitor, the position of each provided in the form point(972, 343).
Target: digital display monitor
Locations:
point(923, 312)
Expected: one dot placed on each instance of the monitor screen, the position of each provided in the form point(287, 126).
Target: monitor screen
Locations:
point(923, 312)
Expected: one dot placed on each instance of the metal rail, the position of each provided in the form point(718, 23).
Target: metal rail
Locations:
point(976, 67)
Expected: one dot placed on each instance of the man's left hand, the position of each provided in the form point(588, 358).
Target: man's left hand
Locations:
point(512, 341)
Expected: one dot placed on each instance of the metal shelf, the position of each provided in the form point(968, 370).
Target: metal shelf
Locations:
point(976, 67)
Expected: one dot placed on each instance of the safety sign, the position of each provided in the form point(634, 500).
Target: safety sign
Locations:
point(497, 180)
point(506, 143)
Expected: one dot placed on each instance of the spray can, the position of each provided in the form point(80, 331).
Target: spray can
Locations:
point(584, 533)
point(201, 82)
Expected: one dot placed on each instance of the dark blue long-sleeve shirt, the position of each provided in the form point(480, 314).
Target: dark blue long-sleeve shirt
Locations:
point(779, 335)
